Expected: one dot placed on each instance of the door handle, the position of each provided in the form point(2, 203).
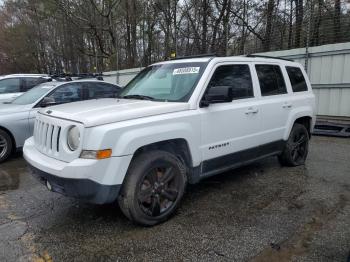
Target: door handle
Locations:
point(287, 105)
point(251, 110)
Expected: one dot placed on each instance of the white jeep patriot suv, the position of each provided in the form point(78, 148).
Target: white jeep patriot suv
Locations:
point(176, 122)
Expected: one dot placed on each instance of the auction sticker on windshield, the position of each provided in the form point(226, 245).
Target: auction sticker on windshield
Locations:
point(186, 70)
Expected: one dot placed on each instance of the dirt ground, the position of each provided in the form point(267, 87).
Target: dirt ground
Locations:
point(261, 212)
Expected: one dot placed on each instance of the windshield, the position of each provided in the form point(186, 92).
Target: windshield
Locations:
point(32, 95)
point(166, 82)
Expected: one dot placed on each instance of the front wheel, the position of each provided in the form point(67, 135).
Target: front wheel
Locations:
point(296, 148)
point(5, 146)
point(153, 187)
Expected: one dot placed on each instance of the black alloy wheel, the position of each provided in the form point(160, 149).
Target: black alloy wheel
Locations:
point(5, 146)
point(154, 186)
point(159, 190)
point(296, 148)
point(299, 147)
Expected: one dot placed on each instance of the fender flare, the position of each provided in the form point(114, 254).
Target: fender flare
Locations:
point(130, 141)
point(297, 113)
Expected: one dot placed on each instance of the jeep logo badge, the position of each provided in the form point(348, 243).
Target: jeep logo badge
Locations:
point(48, 112)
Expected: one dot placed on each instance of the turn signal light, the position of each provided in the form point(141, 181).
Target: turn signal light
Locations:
point(96, 154)
point(102, 154)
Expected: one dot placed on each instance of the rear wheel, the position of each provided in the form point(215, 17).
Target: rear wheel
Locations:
point(153, 187)
point(5, 146)
point(297, 147)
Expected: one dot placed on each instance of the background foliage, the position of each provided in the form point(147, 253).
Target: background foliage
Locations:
point(53, 36)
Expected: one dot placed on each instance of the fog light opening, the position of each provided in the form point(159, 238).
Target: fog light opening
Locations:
point(48, 185)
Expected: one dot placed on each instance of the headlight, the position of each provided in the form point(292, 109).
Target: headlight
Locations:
point(73, 139)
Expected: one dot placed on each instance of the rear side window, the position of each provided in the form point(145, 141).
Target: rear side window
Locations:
point(296, 79)
point(30, 82)
point(236, 76)
point(271, 80)
point(101, 90)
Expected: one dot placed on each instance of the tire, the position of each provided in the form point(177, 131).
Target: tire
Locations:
point(153, 188)
point(5, 146)
point(296, 148)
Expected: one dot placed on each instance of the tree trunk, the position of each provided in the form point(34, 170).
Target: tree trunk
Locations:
point(205, 12)
point(133, 33)
point(290, 33)
point(299, 22)
point(128, 35)
point(268, 29)
point(337, 31)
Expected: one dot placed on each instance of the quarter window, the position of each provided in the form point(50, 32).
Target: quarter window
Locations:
point(296, 79)
point(271, 80)
point(236, 76)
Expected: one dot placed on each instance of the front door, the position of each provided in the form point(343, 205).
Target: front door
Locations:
point(66, 93)
point(230, 131)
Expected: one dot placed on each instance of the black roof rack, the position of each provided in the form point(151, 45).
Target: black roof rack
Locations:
point(194, 56)
point(68, 77)
point(272, 57)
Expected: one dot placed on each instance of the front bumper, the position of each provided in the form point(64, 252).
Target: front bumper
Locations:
point(94, 181)
point(84, 189)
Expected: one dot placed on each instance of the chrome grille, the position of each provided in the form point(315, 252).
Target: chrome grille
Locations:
point(47, 136)
point(50, 137)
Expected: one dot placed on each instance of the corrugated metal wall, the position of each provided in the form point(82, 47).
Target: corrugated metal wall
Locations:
point(121, 77)
point(329, 72)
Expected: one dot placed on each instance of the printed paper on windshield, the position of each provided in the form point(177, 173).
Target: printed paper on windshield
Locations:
point(186, 70)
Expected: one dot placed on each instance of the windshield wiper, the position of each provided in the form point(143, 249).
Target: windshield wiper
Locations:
point(141, 97)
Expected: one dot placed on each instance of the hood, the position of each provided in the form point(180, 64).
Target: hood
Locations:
point(110, 110)
point(11, 108)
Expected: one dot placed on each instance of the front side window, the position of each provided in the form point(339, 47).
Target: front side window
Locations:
point(67, 93)
point(297, 79)
point(236, 76)
point(33, 95)
point(271, 80)
point(101, 90)
point(173, 82)
point(10, 85)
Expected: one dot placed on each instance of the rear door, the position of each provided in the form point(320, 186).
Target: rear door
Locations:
point(275, 104)
point(230, 130)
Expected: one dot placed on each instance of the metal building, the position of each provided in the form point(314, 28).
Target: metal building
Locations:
point(121, 77)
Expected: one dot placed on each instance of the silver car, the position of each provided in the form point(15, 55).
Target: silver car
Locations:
point(17, 117)
point(11, 86)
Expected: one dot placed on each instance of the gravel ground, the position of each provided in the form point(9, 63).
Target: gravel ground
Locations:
point(261, 212)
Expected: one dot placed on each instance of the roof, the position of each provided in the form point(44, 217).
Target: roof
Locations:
point(58, 83)
point(227, 59)
point(25, 75)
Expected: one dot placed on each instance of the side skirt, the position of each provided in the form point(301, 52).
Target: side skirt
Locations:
point(224, 163)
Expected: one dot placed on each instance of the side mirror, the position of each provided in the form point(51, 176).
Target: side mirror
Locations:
point(47, 101)
point(217, 94)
